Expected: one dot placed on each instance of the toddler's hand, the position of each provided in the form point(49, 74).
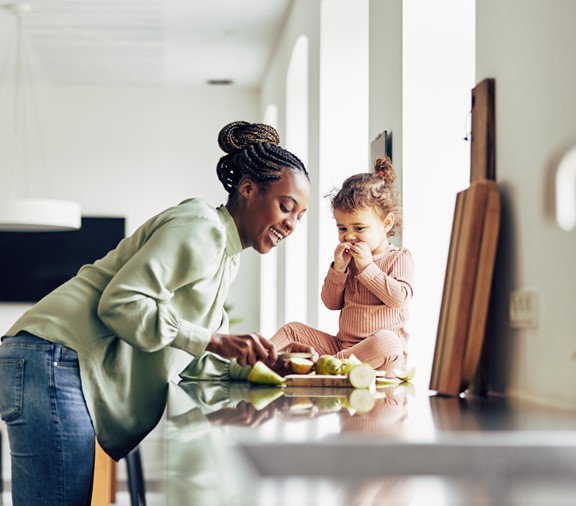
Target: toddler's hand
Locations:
point(361, 254)
point(342, 256)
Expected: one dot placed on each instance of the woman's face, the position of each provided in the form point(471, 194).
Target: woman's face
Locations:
point(269, 216)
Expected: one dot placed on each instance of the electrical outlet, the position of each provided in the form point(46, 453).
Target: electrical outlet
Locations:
point(523, 309)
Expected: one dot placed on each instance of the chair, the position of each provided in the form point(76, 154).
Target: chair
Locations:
point(136, 485)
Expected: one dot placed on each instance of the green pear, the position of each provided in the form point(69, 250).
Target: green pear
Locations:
point(328, 364)
point(348, 363)
point(261, 374)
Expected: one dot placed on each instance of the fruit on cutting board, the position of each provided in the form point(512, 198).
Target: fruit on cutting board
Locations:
point(348, 363)
point(328, 364)
point(301, 365)
point(362, 376)
point(261, 374)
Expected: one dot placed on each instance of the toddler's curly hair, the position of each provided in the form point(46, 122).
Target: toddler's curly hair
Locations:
point(370, 190)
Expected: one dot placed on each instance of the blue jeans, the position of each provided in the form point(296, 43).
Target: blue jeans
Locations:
point(50, 432)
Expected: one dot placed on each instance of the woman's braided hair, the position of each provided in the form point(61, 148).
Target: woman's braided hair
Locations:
point(253, 151)
point(370, 190)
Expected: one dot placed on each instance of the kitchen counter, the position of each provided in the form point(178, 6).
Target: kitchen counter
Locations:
point(233, 444)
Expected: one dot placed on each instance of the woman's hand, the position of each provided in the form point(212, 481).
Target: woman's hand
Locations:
point(247, 349)
point(282, 365)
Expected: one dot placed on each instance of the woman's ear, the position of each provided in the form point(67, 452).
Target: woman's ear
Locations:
point(389, 221)
point(247, 188)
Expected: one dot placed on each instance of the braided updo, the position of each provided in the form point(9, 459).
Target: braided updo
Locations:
point(253, 151)
point(370, 190)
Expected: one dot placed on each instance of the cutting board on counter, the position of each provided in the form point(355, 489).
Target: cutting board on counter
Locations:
point(317, 380)
point(471, 258)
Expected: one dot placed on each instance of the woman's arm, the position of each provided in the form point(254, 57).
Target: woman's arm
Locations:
point(137, 303)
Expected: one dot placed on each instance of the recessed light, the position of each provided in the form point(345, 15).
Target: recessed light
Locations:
point(220, 82)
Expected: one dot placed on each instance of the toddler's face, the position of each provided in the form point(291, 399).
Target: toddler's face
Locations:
point(364, 225)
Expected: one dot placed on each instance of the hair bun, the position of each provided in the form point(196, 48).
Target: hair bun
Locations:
point(383, 168)
point(238, 135)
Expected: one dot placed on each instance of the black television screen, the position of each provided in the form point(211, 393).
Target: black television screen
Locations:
point(32, 264)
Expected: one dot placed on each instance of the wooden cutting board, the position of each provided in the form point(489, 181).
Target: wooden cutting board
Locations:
point(317, 380)
point(466, 287)
point(471, 258)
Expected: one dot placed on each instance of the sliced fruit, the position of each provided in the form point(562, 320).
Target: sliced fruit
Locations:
point(383, 381)
point(328, 364)
point(406, 375)
point(301, 365)
point(362, 376)
point(361, 400)
point(261, 374)
point(261, 396)
point(348, 363)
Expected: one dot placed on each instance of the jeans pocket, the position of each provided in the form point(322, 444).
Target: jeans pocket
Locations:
point(11, 388)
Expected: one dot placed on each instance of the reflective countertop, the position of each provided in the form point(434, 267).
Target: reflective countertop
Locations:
point(229, 443)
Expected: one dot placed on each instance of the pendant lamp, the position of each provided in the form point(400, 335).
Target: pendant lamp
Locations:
point(27, 213)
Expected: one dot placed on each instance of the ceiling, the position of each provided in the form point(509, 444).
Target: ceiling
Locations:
point(147, 42)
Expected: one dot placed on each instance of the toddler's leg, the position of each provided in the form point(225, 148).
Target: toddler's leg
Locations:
point(384, 350)
point(296, 332)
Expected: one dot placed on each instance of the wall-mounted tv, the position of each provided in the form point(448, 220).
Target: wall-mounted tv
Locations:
point(32, 264)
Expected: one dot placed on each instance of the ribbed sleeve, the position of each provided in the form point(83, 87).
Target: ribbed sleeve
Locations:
point(374, 299)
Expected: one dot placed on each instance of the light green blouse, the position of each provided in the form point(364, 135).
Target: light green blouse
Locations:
point(139, 316)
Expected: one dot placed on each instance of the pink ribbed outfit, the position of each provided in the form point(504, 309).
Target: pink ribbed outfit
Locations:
point(373, 308)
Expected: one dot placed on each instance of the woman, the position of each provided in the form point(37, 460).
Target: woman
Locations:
point(94, 357)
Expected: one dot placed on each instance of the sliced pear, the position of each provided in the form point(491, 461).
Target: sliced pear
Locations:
point(361, 400)
point(405, 375)
point(348, 363)
point(261, 374)
point(328, 364)
point(384, 381)
point(261, 396)
point(301, 365)
point(362, 376)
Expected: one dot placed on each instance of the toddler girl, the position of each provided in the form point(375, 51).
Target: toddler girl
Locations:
point(370, 280)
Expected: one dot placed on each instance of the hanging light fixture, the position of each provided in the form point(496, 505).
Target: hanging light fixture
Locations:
point(29, 213)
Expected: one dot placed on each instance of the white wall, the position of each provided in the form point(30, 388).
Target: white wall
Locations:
point(133, 152)
point(529, 48)
point(303, 20)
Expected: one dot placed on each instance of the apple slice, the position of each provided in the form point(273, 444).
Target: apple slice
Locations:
point(261, 374)
point(362, 376)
